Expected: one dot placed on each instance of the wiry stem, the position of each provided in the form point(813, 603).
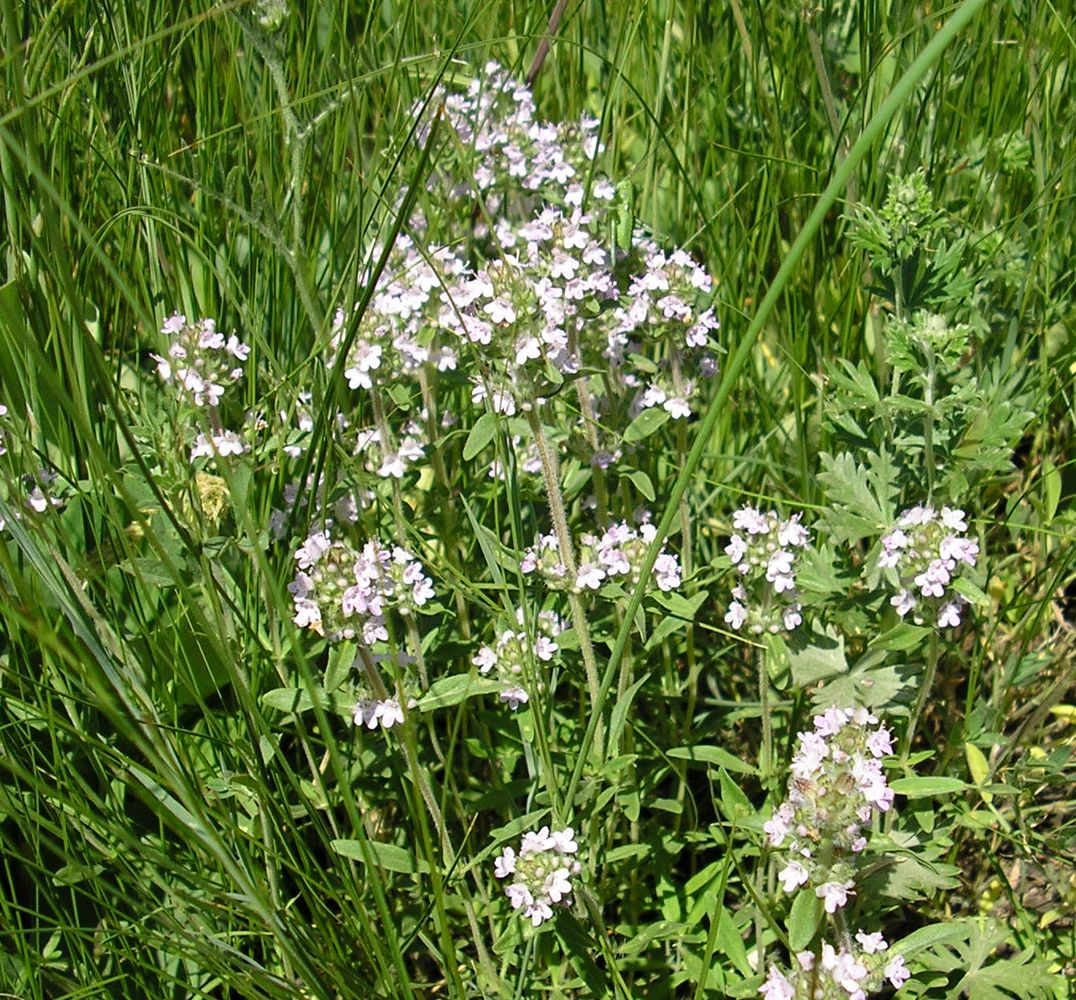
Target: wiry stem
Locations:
point(933, 655)
point(567, 555)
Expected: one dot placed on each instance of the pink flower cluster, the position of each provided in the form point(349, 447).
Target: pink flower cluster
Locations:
point(530, 310)
point(928, 550)
point(541, 873)
point(516, 653)
point(661, 306)
point(337, 589)
point(763, 550)
point(850, 973)
point(507, 153)
point(614, 556)
point(392, 339)
point(837, 786)
point(201, 363)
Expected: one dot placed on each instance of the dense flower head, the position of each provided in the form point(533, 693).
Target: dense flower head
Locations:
point(540, 874)
point(528, 313)
point(342, 592)
point(836, 788)
point(200, 361)
point(666, 302)
point(847, 973)
point(616, 555)
point(927, 551)
point(395, 335)
point(516, 652)
point(511, 158)
point(763, 550)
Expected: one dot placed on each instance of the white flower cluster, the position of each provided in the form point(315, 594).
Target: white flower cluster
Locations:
point(764, 555)
point(508, 153)
point(616, 555)
point(201, 363)
point(338, 589)
point(928, 550)
point(515, 653)
point(556, 295)
point(541, 873)
point(836, 789)
point(660, 305)
point(844, 974)
point(527, 310)
point(391, 341)
point(837, 786)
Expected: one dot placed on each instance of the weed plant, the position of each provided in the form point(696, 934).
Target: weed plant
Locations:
point(507, 502)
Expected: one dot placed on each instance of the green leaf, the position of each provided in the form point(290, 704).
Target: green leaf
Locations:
point(642, 483)
point(978, 767)
point(683, 607)
point(729, 942)
point(861, 499)
point(972, 593)
point(819, 657)
point(712, 755)
point(919, 788)
point(289, 699)
point(645, 424)
point(865, 684)
point(734, 804)
point(449, 691)
point(902, 637)
point(480, 436)
point(927, 937)
point(803, 919)
point(620, 713)
point(1051, 489)
point(388, 856)
point(911, 878)
point(149, 571)
point(967, 950)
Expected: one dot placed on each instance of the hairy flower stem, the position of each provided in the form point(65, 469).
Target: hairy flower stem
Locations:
point(567, 554)
point(765, 755)
point(408, 739)
point(384, 436)
point(933, 654)
point(841, 926)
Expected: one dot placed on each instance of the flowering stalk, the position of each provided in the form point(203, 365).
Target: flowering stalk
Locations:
point(766, 751)
point(933, 655)
point(564, 541)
